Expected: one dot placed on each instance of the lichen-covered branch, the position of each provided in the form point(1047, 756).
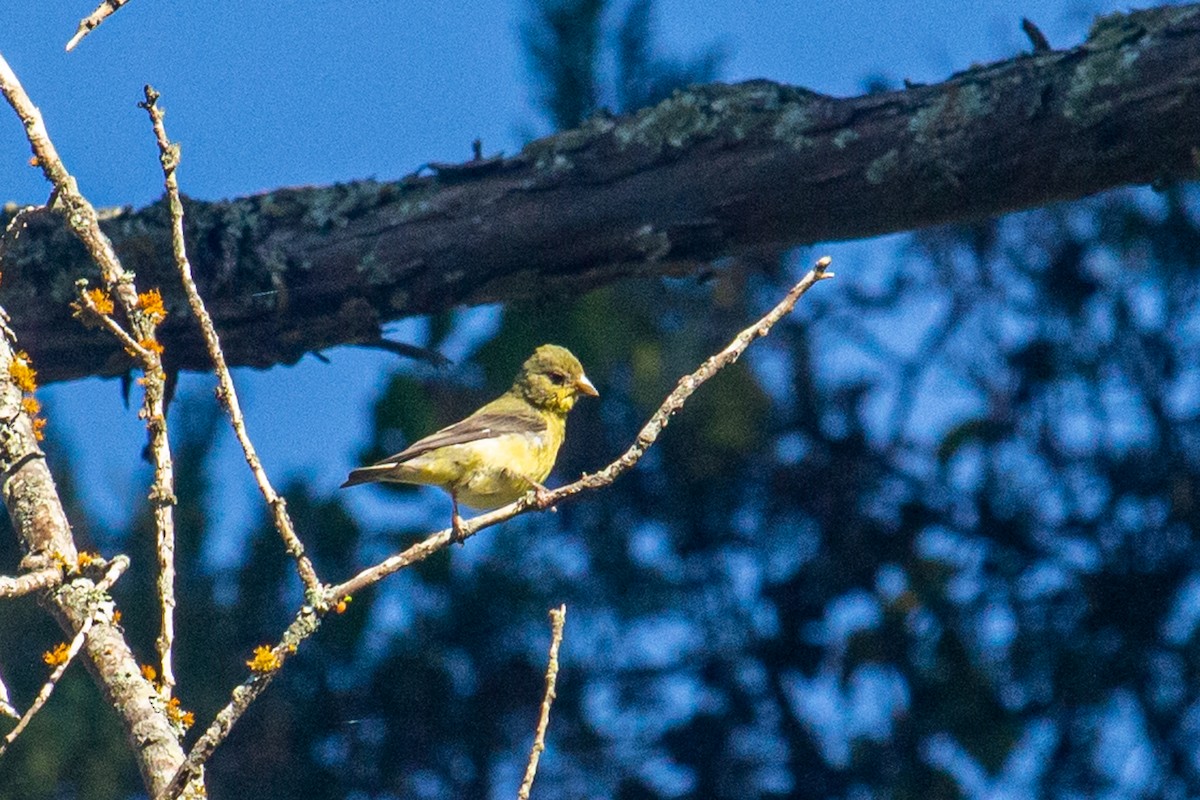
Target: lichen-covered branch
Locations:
point(262, 672)
point(61, 660)
point(143, 313)
point(41, 525)
point(29, 582)
point(714, 170)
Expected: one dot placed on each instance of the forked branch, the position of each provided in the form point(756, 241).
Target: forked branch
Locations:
point(61, 659)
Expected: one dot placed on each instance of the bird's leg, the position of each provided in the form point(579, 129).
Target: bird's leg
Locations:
point(457, 534)
point(540, 493)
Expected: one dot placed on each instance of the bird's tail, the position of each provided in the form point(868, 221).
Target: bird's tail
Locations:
point(378, 472)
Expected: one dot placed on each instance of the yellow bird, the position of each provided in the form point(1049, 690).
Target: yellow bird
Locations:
point(504, 449)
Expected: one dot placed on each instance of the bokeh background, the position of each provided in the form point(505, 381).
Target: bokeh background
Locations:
point(934, 538)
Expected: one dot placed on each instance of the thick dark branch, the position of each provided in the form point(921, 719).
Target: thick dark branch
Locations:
point(713, 171)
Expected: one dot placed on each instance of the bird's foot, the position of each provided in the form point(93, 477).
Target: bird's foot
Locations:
point(458, 533)
point(541, 497)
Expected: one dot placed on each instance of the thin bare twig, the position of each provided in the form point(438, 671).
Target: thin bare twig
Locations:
point(407, 350)
point(117, 566)
point(30, 582)
point(79, 213)
point(92, 21)
point(169, 156)
point(309, 618)
point(82, 220)
point(558, 617)
point(162, 493)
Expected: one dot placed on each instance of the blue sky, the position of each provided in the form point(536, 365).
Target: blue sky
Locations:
point(264, 95)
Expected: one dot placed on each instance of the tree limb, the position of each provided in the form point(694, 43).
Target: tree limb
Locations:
point(36, 581)
point(104, 606)
point(713, 171)
point(41, 525)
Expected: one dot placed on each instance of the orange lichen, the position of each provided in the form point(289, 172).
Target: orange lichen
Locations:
point(57, 656)
point(101, 302)
point(264, 660)
point(29, 403)
point(21, 370)
point(175, 713)
point(149, 673)
point(151, 304)
point(153, 345)
point(85, 559)
point(341, 605)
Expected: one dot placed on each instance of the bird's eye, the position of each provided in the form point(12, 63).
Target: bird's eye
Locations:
point(558, 378)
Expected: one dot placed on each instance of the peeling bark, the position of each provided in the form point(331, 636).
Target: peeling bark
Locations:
point(713, 171)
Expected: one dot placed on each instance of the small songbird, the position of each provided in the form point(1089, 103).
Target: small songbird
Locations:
point(504, 449)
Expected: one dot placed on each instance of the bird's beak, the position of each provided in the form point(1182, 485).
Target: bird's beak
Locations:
point(585, 386)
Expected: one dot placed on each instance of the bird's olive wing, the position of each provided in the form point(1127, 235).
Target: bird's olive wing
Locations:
point(472, 429)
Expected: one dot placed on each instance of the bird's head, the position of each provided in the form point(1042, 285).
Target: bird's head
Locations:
point(552, 379)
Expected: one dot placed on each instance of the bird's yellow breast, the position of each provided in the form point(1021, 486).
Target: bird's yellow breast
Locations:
point(490, 472)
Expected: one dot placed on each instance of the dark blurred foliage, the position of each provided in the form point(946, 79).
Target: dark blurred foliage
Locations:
point(588, 54)
point(934, 537)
